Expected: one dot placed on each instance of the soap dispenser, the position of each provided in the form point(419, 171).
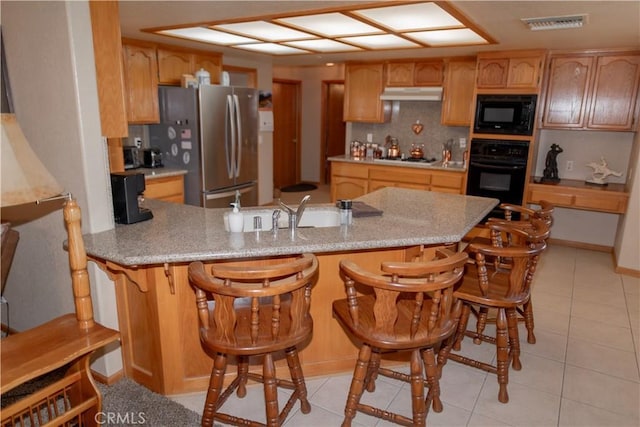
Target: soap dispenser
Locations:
point(236, 219)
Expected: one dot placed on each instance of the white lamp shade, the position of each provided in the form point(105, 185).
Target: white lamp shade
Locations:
point(24, 177)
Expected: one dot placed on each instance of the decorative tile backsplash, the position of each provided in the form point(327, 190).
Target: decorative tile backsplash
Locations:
point(403, 116)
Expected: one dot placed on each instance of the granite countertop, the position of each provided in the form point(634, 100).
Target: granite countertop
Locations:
point(452, 166)
point(183, 233)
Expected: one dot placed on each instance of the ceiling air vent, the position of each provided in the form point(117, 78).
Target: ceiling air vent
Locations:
point(555, 22)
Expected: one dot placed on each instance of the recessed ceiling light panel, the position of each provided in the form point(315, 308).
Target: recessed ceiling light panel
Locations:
point(265, 31)
point(447, 37)
point(331, 25)
point(386, 41)
point(271, 48)
point(420, 16)
point(323, 45)
point(207, 35)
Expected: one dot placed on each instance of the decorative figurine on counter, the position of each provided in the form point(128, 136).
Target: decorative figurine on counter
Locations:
point(600, 172)
point(550, 173)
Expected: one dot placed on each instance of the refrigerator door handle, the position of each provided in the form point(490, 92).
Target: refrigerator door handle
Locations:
point(229, 140)
point(236, 102)
point(245, 189)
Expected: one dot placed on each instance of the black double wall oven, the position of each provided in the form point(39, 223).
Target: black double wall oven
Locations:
point(498, 169)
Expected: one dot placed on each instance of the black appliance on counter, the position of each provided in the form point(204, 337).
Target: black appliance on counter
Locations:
point(505, 114)
point(152, 158)
point(498, 169)
point(125, 189)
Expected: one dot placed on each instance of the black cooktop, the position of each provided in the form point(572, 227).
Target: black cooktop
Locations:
point(411, 159)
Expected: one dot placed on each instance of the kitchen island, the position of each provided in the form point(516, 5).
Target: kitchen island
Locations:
point(148, 262)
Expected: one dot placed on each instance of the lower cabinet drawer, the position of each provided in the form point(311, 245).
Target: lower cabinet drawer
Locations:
point(453, 181)
point(557, 198)
point(602, 203)
point(170, 189)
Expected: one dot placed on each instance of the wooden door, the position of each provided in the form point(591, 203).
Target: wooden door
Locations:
point(172, 64)
point(141, 82)
point(286, 133)
point(333, 125)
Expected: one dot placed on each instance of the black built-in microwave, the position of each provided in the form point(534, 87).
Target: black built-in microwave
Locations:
point(505, 114)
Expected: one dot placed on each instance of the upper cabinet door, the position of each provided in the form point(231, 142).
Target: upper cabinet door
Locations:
point(457, 99)
point(400, 74)
point(172, 65)
point(363, 85)
point(615, 90)
point(141, 81)
point(492, 73)
point(566, 103)
point(211, 63)
point(429, 73)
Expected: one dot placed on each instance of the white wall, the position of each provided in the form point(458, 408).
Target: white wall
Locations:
point(49, 54)
point(311, 120)
point(627, 245)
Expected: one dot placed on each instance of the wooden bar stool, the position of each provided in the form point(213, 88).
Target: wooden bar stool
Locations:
point(257, 310)
point(489, 286)
point(410, 308)
point(525, 222)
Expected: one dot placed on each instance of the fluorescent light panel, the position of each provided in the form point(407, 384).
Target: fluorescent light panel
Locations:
point(323, 45)
point(207, 35)
point(271, 48)
point(384, 41)
point(331, 25)
point(419, 16)
point(265, 31)
point(447, 37)
point(411, 25)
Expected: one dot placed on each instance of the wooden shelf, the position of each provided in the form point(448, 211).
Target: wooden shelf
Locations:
point(577, 194)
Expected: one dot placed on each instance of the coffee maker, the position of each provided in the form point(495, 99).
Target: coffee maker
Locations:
point(125, 189)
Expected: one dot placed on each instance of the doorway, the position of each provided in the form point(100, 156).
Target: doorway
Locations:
point(286, 132)
point(333, 125)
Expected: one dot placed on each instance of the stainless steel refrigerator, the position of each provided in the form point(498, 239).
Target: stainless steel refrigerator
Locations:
point(212, 132)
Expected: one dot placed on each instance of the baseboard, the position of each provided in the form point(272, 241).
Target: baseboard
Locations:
point(581, 245)
point(112, 379)
point(623, 270)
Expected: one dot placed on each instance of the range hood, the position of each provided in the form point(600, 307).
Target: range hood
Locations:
point(412, 94)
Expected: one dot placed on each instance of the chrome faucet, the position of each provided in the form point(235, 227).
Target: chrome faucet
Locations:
point(275, 216)
point(295, 214)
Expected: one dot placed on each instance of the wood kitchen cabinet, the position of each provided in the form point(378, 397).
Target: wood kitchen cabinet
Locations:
point(576, 194)
point(107, 48)
point(141, 81)
point(417, 73)
point(457, 96)
point(592, 91)
point(167, 188)
point(174, 62)
point(363, 84)
point(510, 70)
point(352, 179)
point(348, 181)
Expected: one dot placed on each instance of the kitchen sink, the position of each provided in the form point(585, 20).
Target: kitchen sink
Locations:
point(313, 217)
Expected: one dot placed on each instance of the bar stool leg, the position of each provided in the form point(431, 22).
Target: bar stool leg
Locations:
point(357, 385)
point(528, 321)
point(432, 374)
point(270, 390)
point(514, 341)
point(372, 372)
point(418, 404)
point(503, 355)
point(480, 325)
point(243, 372)
point(215, 388)
point(297, 377)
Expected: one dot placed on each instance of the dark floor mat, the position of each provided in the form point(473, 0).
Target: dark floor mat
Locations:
point(303, 186)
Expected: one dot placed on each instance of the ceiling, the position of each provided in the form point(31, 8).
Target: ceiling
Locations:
point(609, 24)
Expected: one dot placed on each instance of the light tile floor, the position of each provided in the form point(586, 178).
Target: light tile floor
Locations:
point(583, 370)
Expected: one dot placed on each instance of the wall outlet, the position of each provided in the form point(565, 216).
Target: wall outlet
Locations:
point(569, 165)
point(463, 142)
point(137, 141)
point(369, 137)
